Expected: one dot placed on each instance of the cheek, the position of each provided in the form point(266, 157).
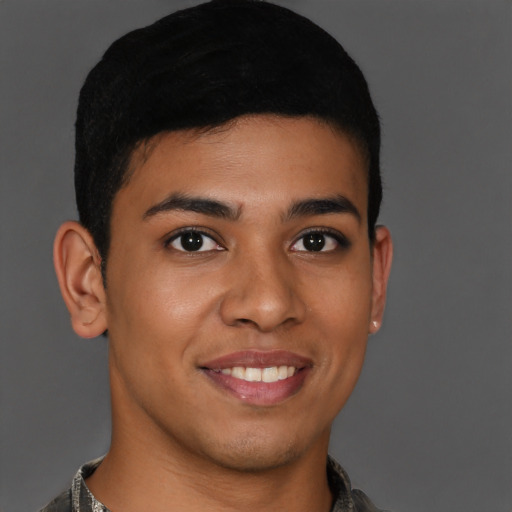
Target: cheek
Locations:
point(342, 322)
point(341, 300)
point(154, 320)
point(159, 306)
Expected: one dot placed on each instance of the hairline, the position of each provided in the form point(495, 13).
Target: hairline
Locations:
point(141, 150)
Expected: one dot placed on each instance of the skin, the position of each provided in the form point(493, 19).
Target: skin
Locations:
point(178, 437)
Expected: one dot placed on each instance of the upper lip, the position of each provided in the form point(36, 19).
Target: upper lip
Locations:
point(258, 359)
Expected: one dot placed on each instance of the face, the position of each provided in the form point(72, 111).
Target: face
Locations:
point(239, 290)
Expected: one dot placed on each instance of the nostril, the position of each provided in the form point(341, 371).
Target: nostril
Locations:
point(264, 303)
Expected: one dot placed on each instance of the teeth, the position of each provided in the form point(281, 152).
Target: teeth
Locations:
point(283, 372)
point(238, 372)
point(270, 374)
point(253, 374)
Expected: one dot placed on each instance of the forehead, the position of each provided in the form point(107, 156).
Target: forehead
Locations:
point(253, 159)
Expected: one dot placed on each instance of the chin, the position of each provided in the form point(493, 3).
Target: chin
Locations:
point(253, 454)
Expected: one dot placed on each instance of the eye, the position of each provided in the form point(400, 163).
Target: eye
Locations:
point(193, 241)
point(318, 241)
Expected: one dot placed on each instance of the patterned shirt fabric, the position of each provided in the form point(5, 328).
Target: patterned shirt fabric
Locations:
point(79, 499)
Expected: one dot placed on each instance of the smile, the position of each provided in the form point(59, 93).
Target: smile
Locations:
point(259, 378)
point(271, 374)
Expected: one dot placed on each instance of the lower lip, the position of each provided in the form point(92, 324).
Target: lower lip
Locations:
point(259, 393)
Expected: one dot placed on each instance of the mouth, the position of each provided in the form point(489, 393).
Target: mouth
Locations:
point(270, 374)
point(259, 378)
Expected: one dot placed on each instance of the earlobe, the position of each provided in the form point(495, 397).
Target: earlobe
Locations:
point(78, 267)
point(382, 257)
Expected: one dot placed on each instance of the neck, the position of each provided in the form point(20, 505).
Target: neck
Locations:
point(136, 475)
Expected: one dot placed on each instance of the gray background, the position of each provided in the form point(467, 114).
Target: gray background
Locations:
point(429, 427)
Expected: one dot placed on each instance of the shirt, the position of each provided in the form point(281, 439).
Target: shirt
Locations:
point(80, 499)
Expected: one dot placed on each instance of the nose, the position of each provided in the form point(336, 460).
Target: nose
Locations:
point(264, 293)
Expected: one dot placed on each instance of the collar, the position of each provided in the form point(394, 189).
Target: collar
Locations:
point(345, 500)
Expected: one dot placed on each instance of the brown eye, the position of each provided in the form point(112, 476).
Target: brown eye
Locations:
point(194, 241)
point(319, 241)
point(191, 241)
point(314, 242)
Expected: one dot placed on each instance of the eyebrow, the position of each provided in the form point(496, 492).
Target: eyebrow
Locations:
point(213, 208)
point(183, 202)
point(322, 206)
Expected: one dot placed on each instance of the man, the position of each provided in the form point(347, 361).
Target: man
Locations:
point(228, 187)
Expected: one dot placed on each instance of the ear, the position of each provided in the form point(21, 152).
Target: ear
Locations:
point(78, 267)
point(382, 256)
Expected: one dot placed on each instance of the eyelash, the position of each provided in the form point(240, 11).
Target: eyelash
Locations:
point(198, 231)
point(340, 239)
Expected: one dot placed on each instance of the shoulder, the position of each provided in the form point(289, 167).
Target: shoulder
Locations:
point(362, 503)
point(78, 497)
point(62, 503)
point(345, 498)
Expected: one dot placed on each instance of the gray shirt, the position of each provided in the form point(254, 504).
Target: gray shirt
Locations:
point(80, 499)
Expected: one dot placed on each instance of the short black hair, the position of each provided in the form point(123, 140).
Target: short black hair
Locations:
point(200, 68)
